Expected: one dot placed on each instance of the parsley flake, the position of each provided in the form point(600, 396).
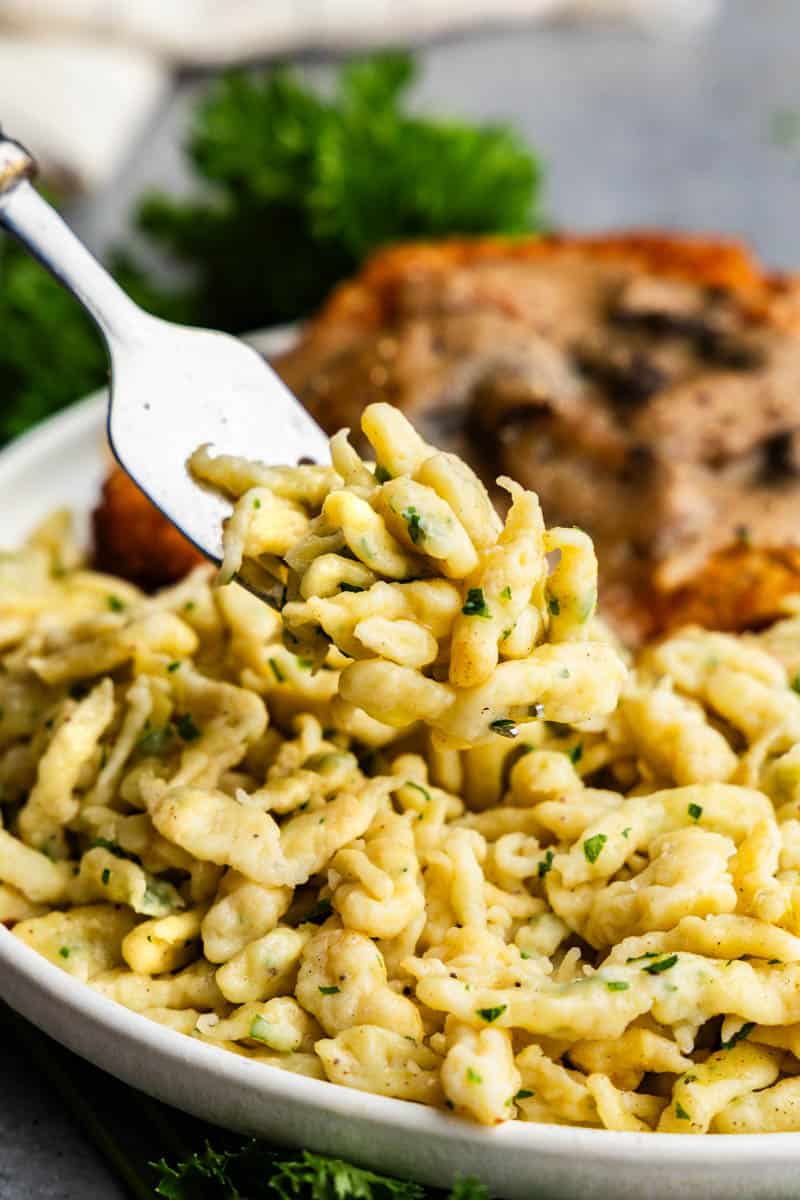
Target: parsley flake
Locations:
point(576, 754)
point(473, 1076)
point(524, 1094)
point(475, 604)
point(739, 1036)
point(506, 593)
point(695, 811)
point(554, 606)
point(796, 683)
point(419, 788)
point(617, 985)
point(505, 727)
point(413, 519)
point(681, 1113)
point(186, 727)
point(275, 667)
point(330, 991)
point(491, 1014)
point(173, 667)
point(545, 864)
point(105, 877)
point(663, 964)
point(639, 957)
point(593, 846)
point(64, 951)
point(381, 474)
point(115, 604)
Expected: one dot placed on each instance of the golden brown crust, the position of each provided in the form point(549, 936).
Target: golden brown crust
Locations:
point(368, 299)
point(738, 587)
point(132, 539)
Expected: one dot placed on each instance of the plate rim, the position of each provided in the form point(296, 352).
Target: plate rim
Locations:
point(22, 968)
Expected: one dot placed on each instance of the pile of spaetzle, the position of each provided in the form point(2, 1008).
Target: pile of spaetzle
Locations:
point(418, 832)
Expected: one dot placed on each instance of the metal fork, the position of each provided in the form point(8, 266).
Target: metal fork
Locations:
point(172, 387)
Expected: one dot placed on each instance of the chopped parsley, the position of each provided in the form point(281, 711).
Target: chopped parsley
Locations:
point(305, 664)
point(639, 957)
point(506, 593)
point(344, 586)
point(381, 474)
point(475, 604)
point(114, 849)
point(105, 877)
point(491, 1014)
point(554, 606)
point(473, 1076)
point(739, 1036)
point(796, 683)
point(681, 1113)
point(545, 864)
point(576, 754)
point(505, 727)
point(276, 670)
point(115, 604)
point(173, 667)
point(626, 831)
point(413, 519)
point(256, 503)
point(593, 846)
point(186, 727)
point(64, 951)
point(617, 985)
point(330, 991)
point(695, 811)
point(419, 788)
point(260, 1029)
point(524, 1094)
point(663, 964)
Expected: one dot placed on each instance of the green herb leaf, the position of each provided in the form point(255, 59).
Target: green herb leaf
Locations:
point(504, 727)
point(186, 727)
point(593, 846)
point(695, 811)
point(681, 1113)
point(349, 587)
point(491, 1014)
point(554, 606)
point(663, 964)
point(545, 864)
point(276, 670)
point(330, 991)
point(506, 593)
point(413, 519)
point(739, 1036)
point(475, 604)
point(473, 1076)
point(381, 474)
point(576, 754)
point(115, 604)
point(617, 985)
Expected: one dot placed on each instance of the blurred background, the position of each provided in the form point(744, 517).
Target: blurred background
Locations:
point(224, 191)
point(233, 160)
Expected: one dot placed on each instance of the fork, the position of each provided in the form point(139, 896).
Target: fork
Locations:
point(171, 387)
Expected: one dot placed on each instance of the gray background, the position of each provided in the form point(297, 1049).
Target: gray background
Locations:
point(697, 135)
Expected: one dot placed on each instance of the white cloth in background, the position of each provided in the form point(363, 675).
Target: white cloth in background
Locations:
point(80, 78)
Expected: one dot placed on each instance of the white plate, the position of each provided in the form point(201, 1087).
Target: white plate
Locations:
point(62, 462)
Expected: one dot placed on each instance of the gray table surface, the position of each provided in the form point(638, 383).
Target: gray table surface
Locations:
point(670, 133)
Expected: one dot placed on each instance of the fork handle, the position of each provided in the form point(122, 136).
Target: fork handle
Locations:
point(42, 231)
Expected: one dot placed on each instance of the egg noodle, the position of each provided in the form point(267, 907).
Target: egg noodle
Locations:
point(417, 830)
